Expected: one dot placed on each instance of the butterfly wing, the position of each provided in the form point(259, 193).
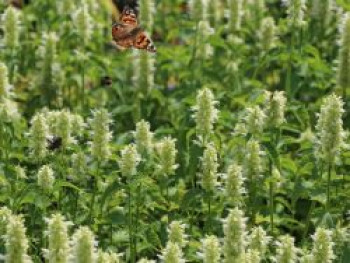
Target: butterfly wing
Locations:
point(126, 33)
point(123, 31)
point(128, 17)
point(143, 41)
point(123, 35)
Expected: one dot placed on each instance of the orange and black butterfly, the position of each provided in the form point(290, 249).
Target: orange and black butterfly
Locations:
point(128, 34)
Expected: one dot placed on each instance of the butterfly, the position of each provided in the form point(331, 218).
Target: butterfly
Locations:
point(128, 34)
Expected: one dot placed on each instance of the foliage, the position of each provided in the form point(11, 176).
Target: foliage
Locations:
point(237, 118)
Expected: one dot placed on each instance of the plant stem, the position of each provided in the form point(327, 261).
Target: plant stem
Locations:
point(132, 259)
point(288, 87)
point(308, 219)
point(252, 200)
point(137, 217)
point(94, 190)
point(209, 212)
point(83, 88)
point(271, 206)
point(76, 204)
point(328, 185)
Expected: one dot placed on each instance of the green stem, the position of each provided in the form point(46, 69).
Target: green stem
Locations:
point(137, 217)
point(271, 206)
point(61, 164)
point(308, 220)
point(44, 241)
point(94, 190)
point(328, 186)
point(132, 259)
point(252, 200)
point(209, 212)
point(290, 62)
point(83, 88)
point(76, 204)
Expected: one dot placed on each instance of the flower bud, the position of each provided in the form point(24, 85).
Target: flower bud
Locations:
point(143, 137)
point(322, 250)
point(83, 246)
point(205, 114)
point(58, 250)
point(176, 232)
point(210, 250)
point(234, 236)
point(286, 251)
point(39, 132)
point(16, 242)
point(129, 160)
point(11, 27)
point(329, 129)
point(234, 188)
point(46, 178)
point(172, 254)
point(167, 156)
point(209, 168)
point(101, 135)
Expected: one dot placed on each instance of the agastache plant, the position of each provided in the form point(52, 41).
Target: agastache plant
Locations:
point(176, 233)
point(144, 68)
point(46, 178)
point(83, 22)
point(5, 86)
point(343, 78)
point(83, 246)
point(259, 241)
point(205, 115)
point(51, 75)
point(16, 242)
point(234, 236)
point(255, 120)
point(235, 15)
point(234, 185)
point(38, 133)
point(101, 135)
point(58, 250)
point(211, 250)
point(129, 160)
point(275, 109)
point(322, 250)
point(286, 252)
point(166, 149)
point(5, 216)
point(11, 27)
point(8, 108)
point(143, 137)
point(204, 49)
point(322, 11)
point(198, 9)
point(252, 169)
point(210, 165)
point(144, 62)
point(330, 135)
point(267, 34)
point(107, 257)
point(296, 12)
point(147, 11)
point(252, 256)
point(172, 253)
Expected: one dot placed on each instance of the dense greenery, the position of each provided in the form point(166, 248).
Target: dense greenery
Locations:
point(228, 145)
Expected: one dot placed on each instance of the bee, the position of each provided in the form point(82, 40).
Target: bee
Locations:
point(54, 143)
